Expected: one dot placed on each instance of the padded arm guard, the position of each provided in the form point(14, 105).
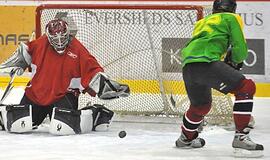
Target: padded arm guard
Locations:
point(19, 59)
point(228, 60)
point(108, 89)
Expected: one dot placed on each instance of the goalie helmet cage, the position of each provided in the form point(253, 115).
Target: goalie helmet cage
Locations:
point(138, 44)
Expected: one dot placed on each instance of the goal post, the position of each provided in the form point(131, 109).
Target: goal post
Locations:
point(138, 44)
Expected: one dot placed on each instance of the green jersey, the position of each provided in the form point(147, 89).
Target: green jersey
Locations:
point(211, 38)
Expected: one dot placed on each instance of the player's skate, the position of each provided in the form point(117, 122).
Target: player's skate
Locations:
point(183, 142)
point(245, 147)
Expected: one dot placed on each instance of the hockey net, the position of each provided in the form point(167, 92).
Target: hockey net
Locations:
point(138, 45)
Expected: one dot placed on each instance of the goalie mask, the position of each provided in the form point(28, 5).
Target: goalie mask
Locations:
point(58, 35)
point(224, 6)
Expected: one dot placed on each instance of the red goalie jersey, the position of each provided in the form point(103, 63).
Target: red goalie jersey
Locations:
point(53, 75)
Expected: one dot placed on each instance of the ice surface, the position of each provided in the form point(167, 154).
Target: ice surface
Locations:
point(144, 141)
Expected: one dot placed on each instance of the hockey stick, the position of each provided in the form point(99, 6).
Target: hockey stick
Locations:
point(9, 87)
point(12, 74)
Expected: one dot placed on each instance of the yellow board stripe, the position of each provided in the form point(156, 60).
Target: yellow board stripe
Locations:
point(144, 86)
point(18, 81)
point(262, 90)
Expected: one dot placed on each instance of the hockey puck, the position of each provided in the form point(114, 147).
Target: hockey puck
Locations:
point(122, 134)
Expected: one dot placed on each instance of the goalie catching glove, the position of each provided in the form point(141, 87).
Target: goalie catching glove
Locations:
point(107, 89)
point(228, 60)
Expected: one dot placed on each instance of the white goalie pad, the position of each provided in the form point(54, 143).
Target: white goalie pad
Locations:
point(19, 59)
point(102, 117)
point(70, 122)
point(86, 121)
point(17, 118)
point(103, 127)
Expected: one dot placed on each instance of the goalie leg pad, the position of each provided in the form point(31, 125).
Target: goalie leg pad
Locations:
point(68, 121)
point(86, 121)
point(102, 117)
point(1, 119)
point(17, 118)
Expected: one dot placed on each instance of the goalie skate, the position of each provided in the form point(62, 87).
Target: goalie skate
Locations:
point(245, 147)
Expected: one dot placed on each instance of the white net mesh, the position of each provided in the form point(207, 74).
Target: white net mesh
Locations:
point(139, 46)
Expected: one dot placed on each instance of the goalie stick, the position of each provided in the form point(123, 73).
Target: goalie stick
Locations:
point(9, 87)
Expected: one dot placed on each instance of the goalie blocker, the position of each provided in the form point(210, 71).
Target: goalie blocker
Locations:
point(64, 121)
point(20, 59)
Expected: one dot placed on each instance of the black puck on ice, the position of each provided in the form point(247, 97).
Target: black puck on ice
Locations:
point(122, 134)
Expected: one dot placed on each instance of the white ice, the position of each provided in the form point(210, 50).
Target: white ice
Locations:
point(144, 141)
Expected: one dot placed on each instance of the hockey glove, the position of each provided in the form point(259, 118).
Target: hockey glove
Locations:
point(107, 89)
point(228, 60)
point(20, 59)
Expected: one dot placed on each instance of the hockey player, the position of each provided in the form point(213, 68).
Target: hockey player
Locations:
point(203, 69)
point(61, 67)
